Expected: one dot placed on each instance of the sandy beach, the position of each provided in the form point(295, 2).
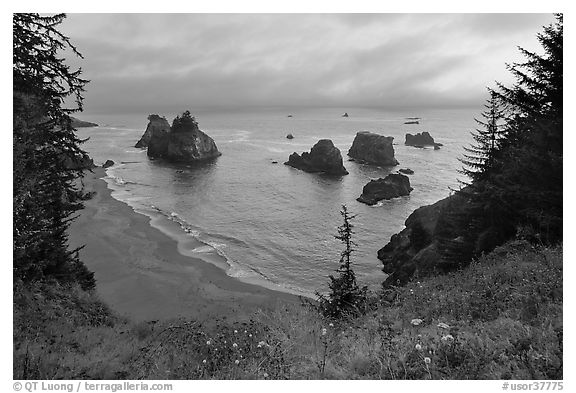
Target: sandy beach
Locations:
point(141, 274)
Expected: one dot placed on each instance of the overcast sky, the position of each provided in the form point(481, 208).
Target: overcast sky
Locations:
point(155, 62)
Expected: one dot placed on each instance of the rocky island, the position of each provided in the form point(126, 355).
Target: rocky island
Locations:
point(373, 149)
point(421, 139)
point(183, 142)
point(323, 157)
point(392, 186)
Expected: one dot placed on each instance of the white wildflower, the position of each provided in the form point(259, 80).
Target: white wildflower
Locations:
point(204, 361)
point(261, 344)
point(418, 347)
point(324, 331)
point(427, 360)
point(235, 331)
point(237, 361)
point(208, 342)
point(447, 338)
point(331, 324)
point(265, 375)
point(235, 345)
point(443, 325)
point(249, 335)
point(416, 321)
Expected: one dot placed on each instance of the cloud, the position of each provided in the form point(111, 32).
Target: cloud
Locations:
point(138, 62)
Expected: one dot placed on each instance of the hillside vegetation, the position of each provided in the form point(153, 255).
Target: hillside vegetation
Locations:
point(499, 318)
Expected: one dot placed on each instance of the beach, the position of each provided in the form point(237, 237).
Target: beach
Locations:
point(141, 274)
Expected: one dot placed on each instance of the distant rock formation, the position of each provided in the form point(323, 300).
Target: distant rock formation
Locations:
point(345, 114)
point(393, 186)
point(373, 149)
point(406, 171)
point(156, 124)
point(183, 142)
point(108, 164)
point(323, 157)
point(412, 122)
point(421, 140)
point(289, 116)
point(289, 136)
point(77, 123)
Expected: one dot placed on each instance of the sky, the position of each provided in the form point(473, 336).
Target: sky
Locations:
point(155, 62)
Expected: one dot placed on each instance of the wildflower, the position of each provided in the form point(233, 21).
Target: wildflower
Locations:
point(324, 331)
point(265, 375)
point(447, 338)
point(416, 321)
point(235, 345)
point(245, 331)
point(208, 342)
point(418, 347)
point(331, 324)
point(237, 361)
point(427, 360)
point(204, 361)
point(235, 331)
point(261, 344)
point(249, 335)
point(443, 325)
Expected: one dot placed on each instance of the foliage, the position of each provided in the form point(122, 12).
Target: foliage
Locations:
point(44, 195)
point(500, 318)
point(184, 122)
point(515, 163)
point(345, 297)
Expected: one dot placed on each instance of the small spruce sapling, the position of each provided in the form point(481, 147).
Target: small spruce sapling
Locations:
point(345, 297)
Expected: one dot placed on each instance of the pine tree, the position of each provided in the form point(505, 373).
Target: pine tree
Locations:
point(345, 297)
point(480, 158)
point(44, 195)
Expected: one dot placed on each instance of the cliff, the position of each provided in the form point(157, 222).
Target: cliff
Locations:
point(77, 123)
point(373, 149)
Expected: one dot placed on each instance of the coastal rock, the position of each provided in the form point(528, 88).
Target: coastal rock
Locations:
point(289, 136)
point(406, 171)
point(392, 186)
point(416, 249)
point(77, 123)
point(183, 142)
point(323, 157)
point(412, 122)
point(421, 140)
point(156, 125)
point(373, 149)
point(108, 164)
point(345, 114)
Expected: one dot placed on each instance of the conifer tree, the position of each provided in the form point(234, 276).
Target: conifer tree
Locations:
point(345, 297)
point(44, 194)
point(480, 158)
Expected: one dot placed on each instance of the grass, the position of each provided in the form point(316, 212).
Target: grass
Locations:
point(499, 318)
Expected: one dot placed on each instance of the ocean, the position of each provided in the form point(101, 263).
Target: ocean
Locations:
point(268, 223)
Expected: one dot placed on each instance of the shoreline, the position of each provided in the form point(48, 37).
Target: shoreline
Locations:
point(141, 272)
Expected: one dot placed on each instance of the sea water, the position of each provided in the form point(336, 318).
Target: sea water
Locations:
point(270, 223)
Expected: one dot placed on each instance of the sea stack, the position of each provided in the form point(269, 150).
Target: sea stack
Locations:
point(323, 157)
point(393, 186)
point(421, 140)
point(156, 125)
point(373, 149)
point(183, 142)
